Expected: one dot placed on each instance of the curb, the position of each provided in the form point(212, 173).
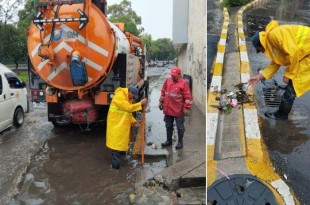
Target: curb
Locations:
point(212, 113)
point(257, 160)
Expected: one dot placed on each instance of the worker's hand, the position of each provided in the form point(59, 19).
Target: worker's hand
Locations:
point(286, 80)
point(254, 80)
point(186, 111)
point(143, 101)
point(136, 124)
point(161, 106)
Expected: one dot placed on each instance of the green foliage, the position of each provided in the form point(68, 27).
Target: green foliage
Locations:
point(13, 42)
point(23, 75)
point(160, 49)
point(232, 3)
point(123, 13)
point(130, 25)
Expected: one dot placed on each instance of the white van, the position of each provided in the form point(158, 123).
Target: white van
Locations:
point(13, 99)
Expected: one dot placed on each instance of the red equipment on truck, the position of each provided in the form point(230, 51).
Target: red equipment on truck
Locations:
point(79, 58)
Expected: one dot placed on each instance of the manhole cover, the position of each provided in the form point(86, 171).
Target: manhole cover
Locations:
point(272, 99)
point(240, 189)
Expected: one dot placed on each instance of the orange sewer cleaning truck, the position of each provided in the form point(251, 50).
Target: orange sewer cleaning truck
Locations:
point(77, 59)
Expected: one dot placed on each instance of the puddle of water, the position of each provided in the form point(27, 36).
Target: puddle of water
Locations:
point(74, 167)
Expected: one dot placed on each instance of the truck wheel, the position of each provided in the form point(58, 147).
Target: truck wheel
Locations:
point(18, 117)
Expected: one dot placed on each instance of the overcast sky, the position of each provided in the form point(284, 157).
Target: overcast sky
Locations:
point(156, 16)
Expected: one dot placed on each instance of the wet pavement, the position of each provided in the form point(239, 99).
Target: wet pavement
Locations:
point(44, 165)
point(287, 141)
point(214, 28)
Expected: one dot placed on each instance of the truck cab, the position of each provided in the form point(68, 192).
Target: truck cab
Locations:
point(13, 99)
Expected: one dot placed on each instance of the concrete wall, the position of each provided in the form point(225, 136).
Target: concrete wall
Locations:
point(192, 55)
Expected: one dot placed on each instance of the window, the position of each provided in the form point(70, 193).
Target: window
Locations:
point(13, 81)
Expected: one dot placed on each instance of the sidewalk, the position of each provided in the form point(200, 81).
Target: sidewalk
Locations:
point(182, 178)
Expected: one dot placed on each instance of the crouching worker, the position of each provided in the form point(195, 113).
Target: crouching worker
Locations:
point(120, 120)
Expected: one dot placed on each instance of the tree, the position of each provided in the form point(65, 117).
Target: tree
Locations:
point(14, 45)
point(160, 49)
point(165, 47)
point(14, 36)
point(123, 13)
point(9, 10)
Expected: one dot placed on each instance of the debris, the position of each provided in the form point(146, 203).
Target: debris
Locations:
point(179, 194)
point(234, 103)
point(285, 176)
point(149, 143)
point(228, 100)
point(132, 198)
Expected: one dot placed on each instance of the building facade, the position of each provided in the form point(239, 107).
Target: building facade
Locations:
point(189, 39)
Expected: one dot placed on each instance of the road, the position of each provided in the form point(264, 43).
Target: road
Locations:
point(44, 165)
point(287, 141)
point(41, 164)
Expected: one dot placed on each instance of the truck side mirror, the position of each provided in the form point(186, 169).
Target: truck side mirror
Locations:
point(23, 84)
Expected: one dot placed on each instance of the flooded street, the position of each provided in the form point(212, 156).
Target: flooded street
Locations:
point(287, 141)
point(41, 164)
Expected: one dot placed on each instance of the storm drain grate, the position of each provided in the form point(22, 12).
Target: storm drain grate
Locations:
point(272, 99)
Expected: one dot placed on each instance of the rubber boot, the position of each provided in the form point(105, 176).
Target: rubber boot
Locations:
point(180, 141)
point(169, 138)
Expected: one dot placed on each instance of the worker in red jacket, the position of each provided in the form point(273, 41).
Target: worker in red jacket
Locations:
point(176, 101)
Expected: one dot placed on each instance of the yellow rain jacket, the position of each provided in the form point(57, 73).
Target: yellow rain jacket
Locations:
point(120, 120)
point(288, 45)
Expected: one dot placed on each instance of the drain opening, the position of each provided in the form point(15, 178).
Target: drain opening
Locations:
point(271, 97)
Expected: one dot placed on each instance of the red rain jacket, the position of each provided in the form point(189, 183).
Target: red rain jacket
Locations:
point(175, 96)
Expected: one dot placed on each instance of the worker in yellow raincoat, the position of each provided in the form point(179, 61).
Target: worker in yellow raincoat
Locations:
point(120, 120)
point(285, 45)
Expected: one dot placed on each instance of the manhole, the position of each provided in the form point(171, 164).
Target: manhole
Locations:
point(272, 99)
point(240, 189)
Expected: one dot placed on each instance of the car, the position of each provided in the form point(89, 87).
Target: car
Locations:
point(13, 99)
point(160, 64)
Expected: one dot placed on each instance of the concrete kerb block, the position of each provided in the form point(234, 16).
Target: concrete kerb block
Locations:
point(285, 193)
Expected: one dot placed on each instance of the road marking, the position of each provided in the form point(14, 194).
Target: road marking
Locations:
point(212, 113)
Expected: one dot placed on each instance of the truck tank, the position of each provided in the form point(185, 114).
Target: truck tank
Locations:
point(79, 58)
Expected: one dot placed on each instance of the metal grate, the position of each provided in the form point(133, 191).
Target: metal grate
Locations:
point(272, 99)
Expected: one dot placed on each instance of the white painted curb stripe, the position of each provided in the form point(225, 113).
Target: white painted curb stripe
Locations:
point(222, 41)
point(224, 31)
point(216, 82)
point(244, 56)
point(212, 122)
point(245, 77)
point(219, 58)
point(251, 124)
point(284, 190)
